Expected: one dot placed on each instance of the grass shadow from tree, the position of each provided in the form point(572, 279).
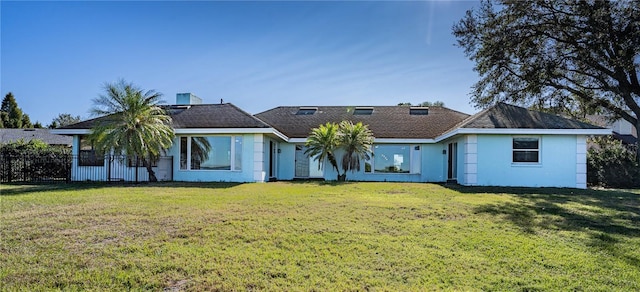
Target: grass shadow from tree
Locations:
point(604, 216)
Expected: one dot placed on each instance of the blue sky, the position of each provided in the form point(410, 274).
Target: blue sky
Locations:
point(56, 56)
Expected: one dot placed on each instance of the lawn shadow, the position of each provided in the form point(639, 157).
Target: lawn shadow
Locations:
point(27, 188)
point(600, 214)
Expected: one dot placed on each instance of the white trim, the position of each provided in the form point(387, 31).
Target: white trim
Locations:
point(379, 141)
point(297, 140)
point(402, 141)
point(259, 173)
point(510, 131)
point(524, 163)
point(581, 162)
point(471, 160)
point(70, 131)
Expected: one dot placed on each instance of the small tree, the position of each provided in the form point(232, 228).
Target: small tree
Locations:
point(133, 123)
point(354, 139)
point(321, 144)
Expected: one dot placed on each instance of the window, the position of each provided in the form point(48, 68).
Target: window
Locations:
point(87, 155)
point(394, 159)
point(211, 153)
point(363, 111)
point(419, 111)
point(305, 111)
point(526, 150)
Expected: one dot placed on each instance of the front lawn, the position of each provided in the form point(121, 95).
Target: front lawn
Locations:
point(317, 236)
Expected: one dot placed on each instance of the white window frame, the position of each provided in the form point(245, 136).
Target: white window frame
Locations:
point(539, 150)
point(232, 154)
point(415, 160)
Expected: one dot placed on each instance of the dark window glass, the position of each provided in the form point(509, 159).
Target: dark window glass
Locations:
point(306, 111)
point(90, 158)
point(419, 111)
point(363, 111)
point(526, 150)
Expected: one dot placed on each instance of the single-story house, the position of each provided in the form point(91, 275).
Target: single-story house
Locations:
point(504, 145)
point(26, 135)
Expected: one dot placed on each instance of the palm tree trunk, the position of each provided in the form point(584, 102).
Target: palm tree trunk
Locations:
point(152, 174)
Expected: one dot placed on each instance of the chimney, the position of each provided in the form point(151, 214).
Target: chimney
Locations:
point(187, 99)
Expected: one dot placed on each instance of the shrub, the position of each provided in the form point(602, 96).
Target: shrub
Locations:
point(612, 164)
point(33, 161)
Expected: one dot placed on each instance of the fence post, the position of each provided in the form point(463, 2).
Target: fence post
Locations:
point(10, 172)
point(24, 168)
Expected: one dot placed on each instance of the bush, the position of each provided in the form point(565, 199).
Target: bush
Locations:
point(33, 161)
point(612, 164)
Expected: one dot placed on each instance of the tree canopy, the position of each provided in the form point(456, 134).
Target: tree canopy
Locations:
point(559, 53)
point(64, 119)
point(354, 140)
point(11, 116)
point(132, 123)
point(424, 103)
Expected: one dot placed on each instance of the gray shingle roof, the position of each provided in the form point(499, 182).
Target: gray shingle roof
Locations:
point(12, 135)
point(503, 115)
point(199, 116)
point(384, 122)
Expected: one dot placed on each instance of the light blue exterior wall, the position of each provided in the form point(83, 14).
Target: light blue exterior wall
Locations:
point(434, 163)
point(557, 167)
point(245, 175)
point(286, 161)
point(431, 166)
point(559, 163)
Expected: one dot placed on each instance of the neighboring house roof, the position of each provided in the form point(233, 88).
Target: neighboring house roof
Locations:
point(506, 116)
point(384, 121)
point(12, 135)
point(626, 139)
point(224, 115)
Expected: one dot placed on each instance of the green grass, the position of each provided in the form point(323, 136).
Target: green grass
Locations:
point(317, 236)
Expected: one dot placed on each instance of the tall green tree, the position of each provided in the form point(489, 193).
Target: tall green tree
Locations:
point(322, 143)
point(133, 123)
point(12, 114)
point(26, 121)
point(356, 140)
point(64, 119)
point(556, 51)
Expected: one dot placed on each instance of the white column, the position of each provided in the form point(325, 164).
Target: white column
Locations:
point(471, 160)
point(258, 158)
point(581, 162)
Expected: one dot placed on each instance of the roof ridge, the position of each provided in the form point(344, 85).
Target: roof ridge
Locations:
point(249, 115)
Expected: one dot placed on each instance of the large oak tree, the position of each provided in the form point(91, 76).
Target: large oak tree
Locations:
point(556, 52)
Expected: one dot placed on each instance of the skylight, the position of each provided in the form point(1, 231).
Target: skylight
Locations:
point(306, 111)
point(419, 111)
point(363, 111)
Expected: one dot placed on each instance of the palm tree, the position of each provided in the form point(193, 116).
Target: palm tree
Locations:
point(356, 141)
point(133, 123)
point(321, 144)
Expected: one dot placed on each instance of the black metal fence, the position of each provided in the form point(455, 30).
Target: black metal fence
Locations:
point(35, 168)
point(67, 168)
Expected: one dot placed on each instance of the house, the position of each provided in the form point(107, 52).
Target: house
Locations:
point(26, 135)
point(622, 129)
point(504, 145)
